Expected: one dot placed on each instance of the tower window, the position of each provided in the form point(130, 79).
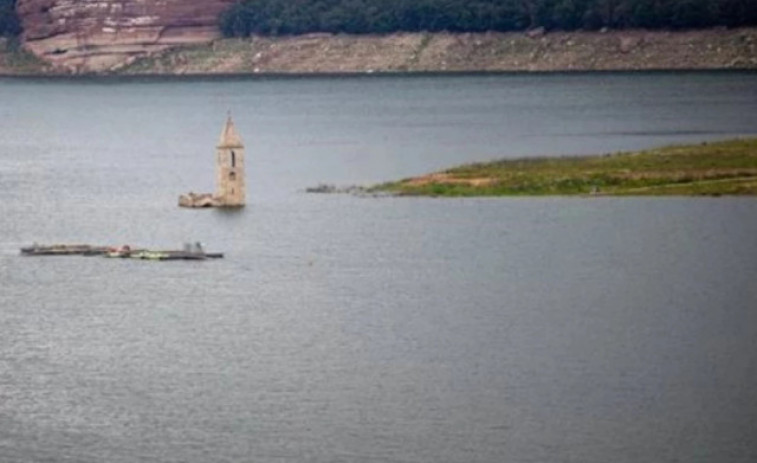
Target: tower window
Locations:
point(232, 175)
point(233, 159)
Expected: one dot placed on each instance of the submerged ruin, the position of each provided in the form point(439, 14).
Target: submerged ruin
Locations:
point(230, 176)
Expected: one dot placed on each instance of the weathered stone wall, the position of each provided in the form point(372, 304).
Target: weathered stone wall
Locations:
point(230, 183)
point(99, 35)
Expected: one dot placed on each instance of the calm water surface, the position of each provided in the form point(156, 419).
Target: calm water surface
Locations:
point(343, 329)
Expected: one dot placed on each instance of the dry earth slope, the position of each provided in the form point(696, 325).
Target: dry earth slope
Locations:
point(555, 51)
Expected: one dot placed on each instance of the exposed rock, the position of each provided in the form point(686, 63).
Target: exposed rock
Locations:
point(101, 35)
point(354, 190)
point(322, 188)
point(334, 189)
point(535, 33)
point(628, 43)
point(198, 200)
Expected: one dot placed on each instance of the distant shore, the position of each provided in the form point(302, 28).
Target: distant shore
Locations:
point(717, 168)
point(533, 51)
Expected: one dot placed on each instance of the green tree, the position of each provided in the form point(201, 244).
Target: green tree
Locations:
point(736, 13)
point(277, 17)
point(567, 15)
point(10, 25)
point(693, 13)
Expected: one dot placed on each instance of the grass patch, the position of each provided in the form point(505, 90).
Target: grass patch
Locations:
point(719, 168)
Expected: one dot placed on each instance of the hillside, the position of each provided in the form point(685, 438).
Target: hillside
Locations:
point(514, 51)
point(184, 36)
point(407, 52)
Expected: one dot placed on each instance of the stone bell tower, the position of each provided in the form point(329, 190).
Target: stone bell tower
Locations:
point(230, 184)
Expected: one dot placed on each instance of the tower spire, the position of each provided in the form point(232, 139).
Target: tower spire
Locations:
point(229, 137)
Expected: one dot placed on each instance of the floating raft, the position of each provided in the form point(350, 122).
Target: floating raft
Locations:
point(147, 254)
point(64, 250)
point(125, 252)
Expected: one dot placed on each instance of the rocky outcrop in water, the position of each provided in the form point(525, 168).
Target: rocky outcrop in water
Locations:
point(101, 35)
point(198, 200)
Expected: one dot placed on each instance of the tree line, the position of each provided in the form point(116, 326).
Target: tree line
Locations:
point(9, 23)
point(289, 17)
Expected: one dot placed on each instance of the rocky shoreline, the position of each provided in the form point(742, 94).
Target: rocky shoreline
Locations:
point(533, 51)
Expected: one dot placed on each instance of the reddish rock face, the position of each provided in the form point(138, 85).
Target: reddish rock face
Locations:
point(98, 35)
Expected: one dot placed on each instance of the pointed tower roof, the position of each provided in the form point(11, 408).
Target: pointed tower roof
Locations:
point(229, 136)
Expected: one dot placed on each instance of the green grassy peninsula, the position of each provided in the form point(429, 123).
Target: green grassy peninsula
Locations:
point(718, 168)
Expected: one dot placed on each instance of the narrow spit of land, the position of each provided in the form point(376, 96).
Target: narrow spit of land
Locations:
point(718, 168)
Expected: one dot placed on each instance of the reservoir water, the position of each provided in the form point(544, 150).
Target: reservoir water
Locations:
point(345, 329)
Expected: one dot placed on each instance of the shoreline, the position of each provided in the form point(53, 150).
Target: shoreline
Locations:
point(367, 75)
point(628, 50)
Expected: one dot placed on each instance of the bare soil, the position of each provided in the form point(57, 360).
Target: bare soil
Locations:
point(420, 52)
point(442, 52)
